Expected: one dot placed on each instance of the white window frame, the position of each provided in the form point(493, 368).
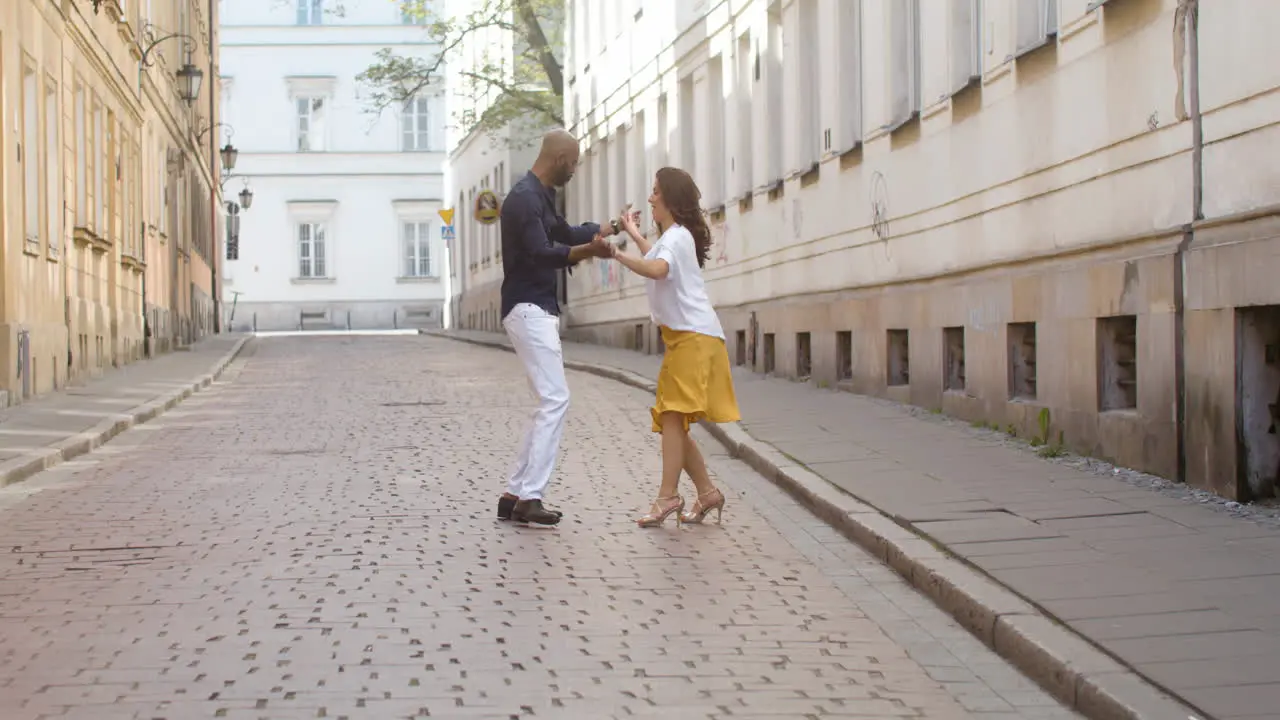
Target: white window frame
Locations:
point(308, 235)
point(416, 248)
point(415, 125)
point(310, 110)
point(311, 90)
point(313, 214)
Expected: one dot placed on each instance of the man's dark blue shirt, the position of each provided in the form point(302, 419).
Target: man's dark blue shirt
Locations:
point(535, 244)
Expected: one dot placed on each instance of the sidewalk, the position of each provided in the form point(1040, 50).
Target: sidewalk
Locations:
point(1185, 593)
point(54, 428)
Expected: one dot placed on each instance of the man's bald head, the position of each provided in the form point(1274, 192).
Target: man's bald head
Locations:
point(558, 158)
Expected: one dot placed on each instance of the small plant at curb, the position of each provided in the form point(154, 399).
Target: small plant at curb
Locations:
point(1045, 421)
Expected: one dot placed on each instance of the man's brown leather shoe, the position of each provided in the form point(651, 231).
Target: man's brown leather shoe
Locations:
point(507, 503)
point(532, 511)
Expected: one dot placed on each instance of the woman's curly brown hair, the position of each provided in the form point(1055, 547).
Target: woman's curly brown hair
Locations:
point(683, 199)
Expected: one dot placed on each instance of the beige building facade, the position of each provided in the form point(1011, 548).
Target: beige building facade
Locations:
point(1057, 217)
point(107, 145)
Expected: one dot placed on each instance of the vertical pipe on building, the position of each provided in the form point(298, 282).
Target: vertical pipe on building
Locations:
point(1192, 20)
point(214, 176)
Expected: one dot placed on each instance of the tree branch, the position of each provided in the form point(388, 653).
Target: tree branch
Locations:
point(538, 42)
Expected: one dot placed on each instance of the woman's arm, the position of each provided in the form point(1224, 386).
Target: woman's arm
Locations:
point(655, 269)
point(642, 242)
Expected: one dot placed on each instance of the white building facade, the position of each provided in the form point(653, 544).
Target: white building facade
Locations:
point(1008, 210)
point(343, 230)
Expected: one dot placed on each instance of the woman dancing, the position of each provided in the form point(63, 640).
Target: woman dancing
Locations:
point(695, 382)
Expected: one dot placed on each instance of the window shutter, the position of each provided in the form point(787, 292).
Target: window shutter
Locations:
point(1037, 24)
point(966, 43)
point(904, 86)
point(848, 133)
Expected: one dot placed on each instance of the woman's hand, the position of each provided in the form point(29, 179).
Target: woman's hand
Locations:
point(630, 220)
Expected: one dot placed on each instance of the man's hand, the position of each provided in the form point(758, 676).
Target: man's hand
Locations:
point(598, 247)
point(601, 247)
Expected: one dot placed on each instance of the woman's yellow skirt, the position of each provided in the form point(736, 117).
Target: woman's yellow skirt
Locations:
point(695, 380)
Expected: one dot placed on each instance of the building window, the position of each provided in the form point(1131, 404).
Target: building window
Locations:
point(414, 130)
point(310, 12)
point(311, 136)
point(99, 169)
point(53, 168)
point(417, 245)
point(30, 154)
point(311, 250)
point(82, 160)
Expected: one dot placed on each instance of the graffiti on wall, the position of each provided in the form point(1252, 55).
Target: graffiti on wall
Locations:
point(608, 276)
point(720, 243)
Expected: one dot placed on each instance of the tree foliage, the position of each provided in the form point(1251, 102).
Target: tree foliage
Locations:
point(518, 86)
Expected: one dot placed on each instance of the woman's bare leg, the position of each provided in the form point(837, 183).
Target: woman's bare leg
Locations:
point(674, 442)
point(696, 466)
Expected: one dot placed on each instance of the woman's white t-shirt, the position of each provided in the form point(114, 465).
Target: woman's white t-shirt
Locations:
point(679, 301)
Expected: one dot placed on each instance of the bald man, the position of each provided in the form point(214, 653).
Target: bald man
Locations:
point(536, 242)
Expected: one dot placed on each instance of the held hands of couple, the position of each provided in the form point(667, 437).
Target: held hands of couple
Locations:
point(602, 248)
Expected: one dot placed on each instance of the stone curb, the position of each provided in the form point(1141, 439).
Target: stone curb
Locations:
point(1065, 664)
point(21, 468)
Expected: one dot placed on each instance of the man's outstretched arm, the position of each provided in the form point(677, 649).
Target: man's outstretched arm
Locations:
point(573, 235)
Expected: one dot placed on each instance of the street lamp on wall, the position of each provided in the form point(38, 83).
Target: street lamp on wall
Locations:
point(189, 76)
point(230, 153)
point(189, 79)
point(246, 196)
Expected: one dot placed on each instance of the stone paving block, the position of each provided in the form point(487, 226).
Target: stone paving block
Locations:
point(964, 467)
point(232, 558)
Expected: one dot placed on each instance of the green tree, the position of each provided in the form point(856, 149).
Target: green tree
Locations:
point(521, 86)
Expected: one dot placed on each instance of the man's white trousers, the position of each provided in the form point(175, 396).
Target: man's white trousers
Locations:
point(535, 335)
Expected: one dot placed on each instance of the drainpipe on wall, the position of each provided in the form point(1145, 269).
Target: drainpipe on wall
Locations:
point(1189, 15)
point(146, 315)
point(214, 175)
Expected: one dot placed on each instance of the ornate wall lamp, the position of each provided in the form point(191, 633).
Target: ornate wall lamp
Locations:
point(228, 152)
point(189, 76)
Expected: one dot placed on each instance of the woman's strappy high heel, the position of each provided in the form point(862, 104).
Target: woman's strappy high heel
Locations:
point(713, 499)
point(661, 508)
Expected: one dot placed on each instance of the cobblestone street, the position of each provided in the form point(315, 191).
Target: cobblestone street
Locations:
point(314, 537)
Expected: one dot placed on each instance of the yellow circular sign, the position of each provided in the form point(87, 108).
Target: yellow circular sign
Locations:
point(487, 207)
